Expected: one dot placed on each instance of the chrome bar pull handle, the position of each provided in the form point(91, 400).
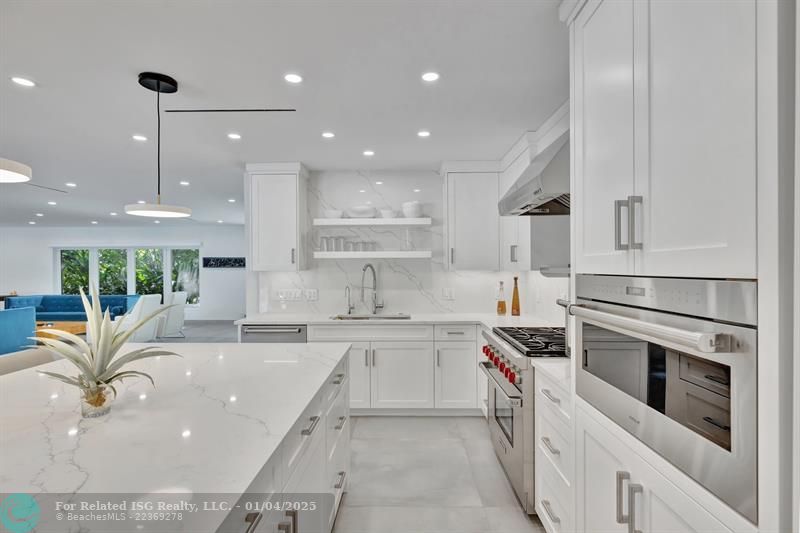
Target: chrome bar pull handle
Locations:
point(338, 379)
point(253, 519)
point(549, 512)
point(283, 527)
point(618, 205)
point(340, 425)
point(549, 396)
point(720, 425)
point(292, 515)
point(621, 477)
point(549, 445)
point(513, 253)
point(366, 356)
point(340, 482)
point(633, 201)
point(633, 490)
point(310, 429)
point(438, 362)
point(452, 256)
point(292, 255)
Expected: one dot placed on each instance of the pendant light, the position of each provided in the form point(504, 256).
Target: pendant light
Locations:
point(159, 83)
point(14, 172)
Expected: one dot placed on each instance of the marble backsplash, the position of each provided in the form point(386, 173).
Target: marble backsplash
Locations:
point(409, 285)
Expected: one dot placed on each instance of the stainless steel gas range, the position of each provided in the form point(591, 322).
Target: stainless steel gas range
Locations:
point(511, 393)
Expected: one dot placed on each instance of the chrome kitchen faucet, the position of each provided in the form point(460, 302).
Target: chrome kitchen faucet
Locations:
point(375, 304)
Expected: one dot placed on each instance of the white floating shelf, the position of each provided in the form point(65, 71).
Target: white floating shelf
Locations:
point(372, 222)
point(383, 254)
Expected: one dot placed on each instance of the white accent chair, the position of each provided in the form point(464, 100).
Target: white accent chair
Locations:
point(170, 324)
point(144, 306)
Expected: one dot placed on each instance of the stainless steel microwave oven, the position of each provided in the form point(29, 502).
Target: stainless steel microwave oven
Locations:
point(673, 361)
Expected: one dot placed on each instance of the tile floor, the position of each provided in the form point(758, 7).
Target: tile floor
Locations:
point(426, 475)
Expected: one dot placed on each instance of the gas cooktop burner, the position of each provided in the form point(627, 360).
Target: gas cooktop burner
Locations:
point(535, 342)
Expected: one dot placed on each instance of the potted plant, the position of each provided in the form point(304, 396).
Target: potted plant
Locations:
point(96, 360)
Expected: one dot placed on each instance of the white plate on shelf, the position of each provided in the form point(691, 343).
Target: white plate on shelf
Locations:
point(361, 211)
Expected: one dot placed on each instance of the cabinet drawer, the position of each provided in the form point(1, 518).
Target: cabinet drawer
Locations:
point(553, 397)
point(336, 420)
point(554, 440)
point(369, 332)
point(454, 332)
point(552, 499)
point(299, 437)
point(336, 382)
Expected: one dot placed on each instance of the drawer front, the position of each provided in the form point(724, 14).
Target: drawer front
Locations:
point(554, 440)
point(337, 381)
point(553, 397)
point(339, 469)
point(297, 441)
point(369, 332)
point(706, 374)
point(336, 420)
point(455, 332)
point(552, 499)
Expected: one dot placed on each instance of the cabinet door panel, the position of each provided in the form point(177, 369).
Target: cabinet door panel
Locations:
point(698, 171)
point(273, 222)
point(456, 375)
point(603, 145)
point(359, 375)
point(402, 375)
point(473, 221)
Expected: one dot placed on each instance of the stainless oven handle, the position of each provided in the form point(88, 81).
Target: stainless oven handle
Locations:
point(269, 329)
point(697, 340)
point(511, 396)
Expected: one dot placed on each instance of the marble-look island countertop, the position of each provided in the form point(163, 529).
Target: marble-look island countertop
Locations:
point(487, 319)
point(216, 416)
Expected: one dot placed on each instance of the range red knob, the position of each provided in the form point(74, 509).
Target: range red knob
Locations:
point(507, 371)
point(502, 367)
point(485, 349)
point(496, 360)
point(512, 377)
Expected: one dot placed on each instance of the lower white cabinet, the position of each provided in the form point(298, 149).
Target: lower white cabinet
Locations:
point(615, 486)
point(402, 375)
point(360, 375)
point(455, 375)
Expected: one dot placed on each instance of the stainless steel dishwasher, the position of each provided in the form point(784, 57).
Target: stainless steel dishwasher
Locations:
point(273, 333)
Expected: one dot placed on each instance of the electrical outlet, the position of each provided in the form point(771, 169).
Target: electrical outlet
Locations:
point(448, 293)
point(289, 295)
point(312, 295)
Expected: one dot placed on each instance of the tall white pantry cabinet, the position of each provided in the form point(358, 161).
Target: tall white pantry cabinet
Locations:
point(682, 132)
point(664, 111)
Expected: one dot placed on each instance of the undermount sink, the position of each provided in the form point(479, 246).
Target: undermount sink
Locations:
point(398, 316)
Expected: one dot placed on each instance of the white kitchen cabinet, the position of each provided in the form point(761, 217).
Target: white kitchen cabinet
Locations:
point(402, 375)
point(276, 217)
point(664, 146)
point(659, 505)
point(602, 140)
point(359, 375)
point(473, 221)
point(455, 375)
point(696, 169)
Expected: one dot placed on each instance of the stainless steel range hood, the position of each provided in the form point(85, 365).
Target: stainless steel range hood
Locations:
point(543, 187)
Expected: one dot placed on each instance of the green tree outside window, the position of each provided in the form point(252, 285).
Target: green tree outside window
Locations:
point(149, 271)
point(113, 271)
point(74, 271)
point(186, 274)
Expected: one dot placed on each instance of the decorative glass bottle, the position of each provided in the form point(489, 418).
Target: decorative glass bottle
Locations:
point(501, 300)
point(515, 299)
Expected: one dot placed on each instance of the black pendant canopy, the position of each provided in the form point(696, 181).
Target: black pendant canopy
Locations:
point(158, 82)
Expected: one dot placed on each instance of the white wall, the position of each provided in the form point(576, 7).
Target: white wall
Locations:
point(411, 286)
point(27, 261)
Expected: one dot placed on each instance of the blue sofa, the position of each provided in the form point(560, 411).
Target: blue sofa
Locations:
point(68, 307)
point(16, 325)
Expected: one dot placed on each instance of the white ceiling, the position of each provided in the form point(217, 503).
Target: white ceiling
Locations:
point(503, 67)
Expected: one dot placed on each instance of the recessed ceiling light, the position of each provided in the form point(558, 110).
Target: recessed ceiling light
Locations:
point(31, 222)
point(94, 222)
point(234, 136)
point(362, 190)
point(71, 185)
point(328, 134)
point(113, 213)
point(378, 183)
point(231, 200)
point(186, 434)
point(293, 78)
point(430, 76)
point(140, 201)
point(416, 190)
point(140, 138)
point(25, 82)
point(39, 214)
point(184, 183)
point(51, 203)
point(156, 222)
point(219, 222)
point(369, 153)
point(423, 133)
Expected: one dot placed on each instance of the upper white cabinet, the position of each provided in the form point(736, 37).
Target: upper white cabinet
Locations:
point(664, 138)
point(472, 221)
point(275, 216)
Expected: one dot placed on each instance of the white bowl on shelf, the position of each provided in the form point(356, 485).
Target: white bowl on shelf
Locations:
point(361, 211)
point(412, 209)
point(333, 213)
point(388, 213)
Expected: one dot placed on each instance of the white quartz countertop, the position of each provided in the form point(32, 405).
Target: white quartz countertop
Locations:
point(216, 416)
point(487, 319)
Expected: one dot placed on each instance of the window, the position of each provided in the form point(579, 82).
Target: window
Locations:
point(186, 274)
point(149, 271)
point(112, 264)
point(74, 271)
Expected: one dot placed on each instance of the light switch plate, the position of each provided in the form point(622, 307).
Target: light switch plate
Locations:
point(312, 295)
point(289, 295)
